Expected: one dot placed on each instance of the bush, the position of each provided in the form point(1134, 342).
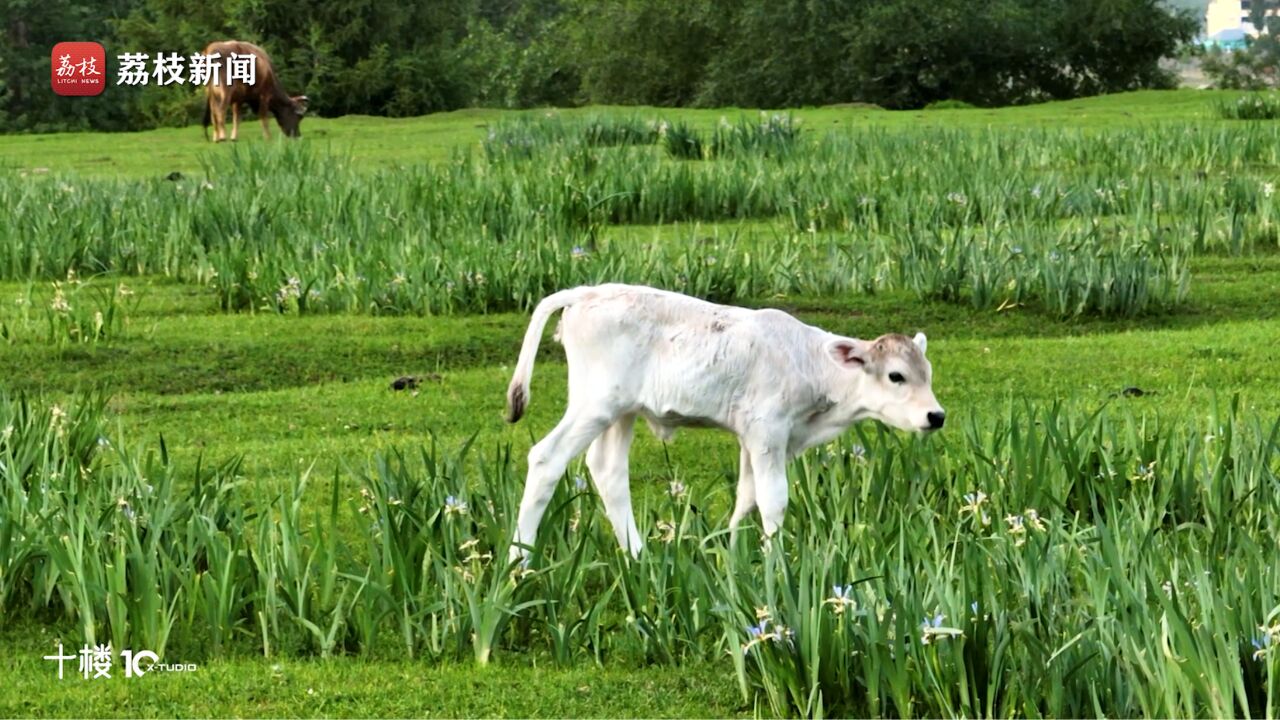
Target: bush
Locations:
point(681, 141)
point(773, 135)
point(950, 105)
point(1257, 106)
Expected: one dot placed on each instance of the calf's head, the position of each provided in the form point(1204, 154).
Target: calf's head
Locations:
point(889, 379)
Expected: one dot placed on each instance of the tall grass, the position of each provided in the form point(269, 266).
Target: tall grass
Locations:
point(1256, 106)
point(773, 136)
point(527, 135)
point(1046, 560)
point(1106, 222)
point(72, 311)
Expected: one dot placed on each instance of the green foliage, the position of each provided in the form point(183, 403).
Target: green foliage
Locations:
point(771, 136)
point(1142, 583)
point(1107, 46)
point(1255, 66)
point(914, 52)
point(1237, 70)
point(1251, 107)
point(912, 577)
point(517, 59)
point(934, 631)
point(775, 54)
point(28, 32)
point(973, 218)
point(949, 105)
point(1012, 51)
point(632, 52)
point(75, 311)
point(399, 59)
point(681, 141)
point(981, 218)
point(910, 53)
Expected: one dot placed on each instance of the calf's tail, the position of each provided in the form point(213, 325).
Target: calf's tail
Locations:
point(518, 390)
point(207, 117)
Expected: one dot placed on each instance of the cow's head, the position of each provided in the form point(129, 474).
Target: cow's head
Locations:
point(889, 379)
point(289, 114)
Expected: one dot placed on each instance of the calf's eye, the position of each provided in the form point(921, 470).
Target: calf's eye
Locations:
point(896, 377)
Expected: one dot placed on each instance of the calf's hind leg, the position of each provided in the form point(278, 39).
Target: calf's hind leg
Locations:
point(547, 462)
point(607, 460)
point(746, 500)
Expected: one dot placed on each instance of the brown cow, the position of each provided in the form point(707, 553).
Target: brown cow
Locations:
point(265, 95)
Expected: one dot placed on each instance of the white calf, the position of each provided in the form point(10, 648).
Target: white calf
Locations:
point(781, 386)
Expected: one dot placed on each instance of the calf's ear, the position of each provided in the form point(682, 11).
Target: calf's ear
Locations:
point(848, 352)
point(922, 342)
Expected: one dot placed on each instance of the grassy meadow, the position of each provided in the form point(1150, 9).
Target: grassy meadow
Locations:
point(201, 452)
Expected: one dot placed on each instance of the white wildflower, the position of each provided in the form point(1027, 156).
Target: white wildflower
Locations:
point(1017, 529)
point(933, 629)
point(58, 419)
point(841, 599)
point(59, 304)
point(667, 532)
point(454, 506)
point(973, 505)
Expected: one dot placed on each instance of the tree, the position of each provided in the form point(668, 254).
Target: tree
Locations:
point(910, 53)
point(394, 58)
point(640, 51)
point(780, 53)
point(1257, 66)
point(514, 55)
point(1106, 46)
point(28, 31)
point(153, 26)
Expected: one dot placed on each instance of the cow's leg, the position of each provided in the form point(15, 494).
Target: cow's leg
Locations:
point(235, 121)
point(607, 460)
point(208, 108)
point(769, 468)
point(547, 462)
point(264, 115)
point(218, 110)
point(746, 501)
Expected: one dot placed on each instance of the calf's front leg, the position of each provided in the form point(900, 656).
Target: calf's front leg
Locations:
point(769, 472)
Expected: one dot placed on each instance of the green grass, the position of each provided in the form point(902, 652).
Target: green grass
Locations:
point(1066, 221)
point(1255, 106)
point(392, 142)
point(293, 392)
point(346, 687)
point(278, 388)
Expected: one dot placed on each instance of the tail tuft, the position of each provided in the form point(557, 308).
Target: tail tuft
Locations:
point(518, 390)
point(516, 400)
